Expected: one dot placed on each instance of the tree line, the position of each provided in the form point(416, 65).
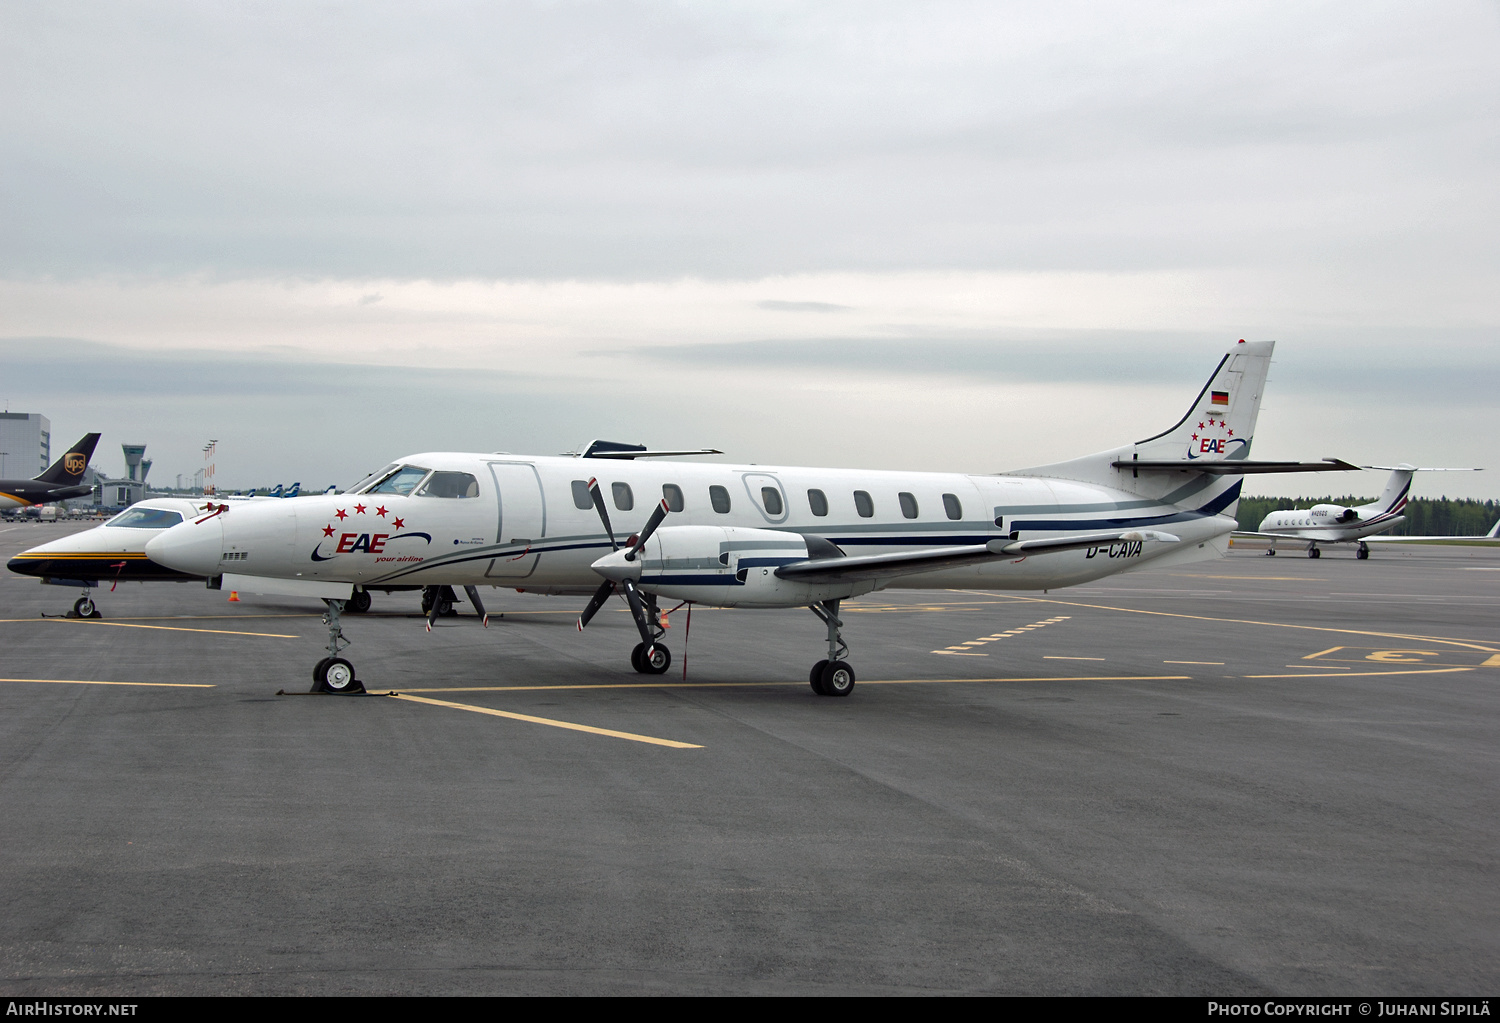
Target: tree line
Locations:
point(1425, 516)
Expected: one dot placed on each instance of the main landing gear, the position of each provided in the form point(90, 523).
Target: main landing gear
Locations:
point(439, 602)
point(1313, 552)
point(333, 674)
point(832, 676)
point(1363, 552)
point(1270, 552)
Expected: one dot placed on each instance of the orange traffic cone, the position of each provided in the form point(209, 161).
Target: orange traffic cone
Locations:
point(234, 594)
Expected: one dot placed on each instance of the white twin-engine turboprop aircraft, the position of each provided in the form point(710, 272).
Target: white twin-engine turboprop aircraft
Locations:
point(745, 536)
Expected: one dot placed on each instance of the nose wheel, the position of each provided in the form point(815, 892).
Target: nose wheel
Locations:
point(333, 674)
point(84, 607)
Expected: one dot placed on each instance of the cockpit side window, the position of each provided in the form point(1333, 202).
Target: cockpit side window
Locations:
point(402, 481)
point(145, 518)
point(450, 484)
point(363, 485)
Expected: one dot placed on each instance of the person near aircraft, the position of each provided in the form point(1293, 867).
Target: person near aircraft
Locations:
point(744, 535)
point(1325, 524)
point(62, 481)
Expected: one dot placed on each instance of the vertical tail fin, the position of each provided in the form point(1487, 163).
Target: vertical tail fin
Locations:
point(70, 467)
point(1218, 425)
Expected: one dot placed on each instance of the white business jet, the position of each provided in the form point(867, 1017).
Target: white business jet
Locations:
point(743, 536)
point(1333, 523)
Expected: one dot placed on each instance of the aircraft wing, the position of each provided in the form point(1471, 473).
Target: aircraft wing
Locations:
point(887, 566)
point(1230, 467)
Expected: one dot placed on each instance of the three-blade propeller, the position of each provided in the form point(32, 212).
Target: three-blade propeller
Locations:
point(635, 544)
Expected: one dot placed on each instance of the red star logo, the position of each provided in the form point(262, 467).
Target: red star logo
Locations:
point(1200, 426)
point(327, 530)
point(1231, 433)
point(359, 508)
point(1211, 423)
point(398, 523)
point(341, 515)
point(380, 511)
point(1195, 436)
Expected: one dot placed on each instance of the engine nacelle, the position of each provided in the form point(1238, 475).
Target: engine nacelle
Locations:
point(731, 566)
point(1333, 513)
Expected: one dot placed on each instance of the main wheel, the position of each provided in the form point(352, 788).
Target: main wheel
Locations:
point(1313, 552)
point(656, 662)
point(358, 602)
point(338, 677)
point(84, 607)
point(1271, 553)
point(318, 674)
point(816, 677)
point(446, 609)
point(838, 679)
point(1362, 553)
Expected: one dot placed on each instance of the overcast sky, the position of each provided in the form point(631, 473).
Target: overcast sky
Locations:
point(935, 235)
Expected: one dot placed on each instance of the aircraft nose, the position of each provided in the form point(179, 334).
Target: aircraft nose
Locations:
point(193, 548)
point(615, 568)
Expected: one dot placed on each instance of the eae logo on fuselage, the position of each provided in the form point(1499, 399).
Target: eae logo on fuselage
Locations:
point(354, 543)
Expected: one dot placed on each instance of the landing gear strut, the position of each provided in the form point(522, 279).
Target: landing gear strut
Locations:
point(832, 676)
point(333, 674)
point(1363, 553)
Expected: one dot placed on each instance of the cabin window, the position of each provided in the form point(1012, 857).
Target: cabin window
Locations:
point(450, 484)
point(673, 494)
point(818, 502)
point(954, 507)
point(145, 518)
point(908, 504)
point(771, 498)
point(864, 505)
point(624, 499)
point(582, 499)
point(719, 498)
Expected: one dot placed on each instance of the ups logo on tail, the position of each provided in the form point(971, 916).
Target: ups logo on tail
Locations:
point(74, 463)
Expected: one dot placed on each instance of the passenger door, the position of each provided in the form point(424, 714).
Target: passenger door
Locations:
point(523, 519)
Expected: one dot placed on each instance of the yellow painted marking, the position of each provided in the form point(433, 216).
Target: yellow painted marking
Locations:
point(1322, 667)
point(959, 653)
point(168, 628)
point(1493, 662)
point(1352, 674)
point(1268, 578)
point(1396, 656)
point(770, 685)
point(1220, 663)
point(1060, 657)
point(92, 682)
point(1469, 644)
point(1320, 653)
point(549, 721)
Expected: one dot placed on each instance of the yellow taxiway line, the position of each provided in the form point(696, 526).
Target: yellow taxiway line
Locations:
point(93, 682)
point(169, 628)
point(766, 685)
point(571, 726)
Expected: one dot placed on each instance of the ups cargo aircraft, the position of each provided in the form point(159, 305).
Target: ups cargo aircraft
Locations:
point(746, 536)
point(62, 481)
point(1333, 523)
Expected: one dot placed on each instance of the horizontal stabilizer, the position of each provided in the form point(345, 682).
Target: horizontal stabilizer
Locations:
point(1240, 467)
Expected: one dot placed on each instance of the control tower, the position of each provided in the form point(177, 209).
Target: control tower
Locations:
point(133, 455)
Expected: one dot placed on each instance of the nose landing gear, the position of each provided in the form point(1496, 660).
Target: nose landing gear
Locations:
point(832, 676)
point(84, 607)
point(333, 674)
